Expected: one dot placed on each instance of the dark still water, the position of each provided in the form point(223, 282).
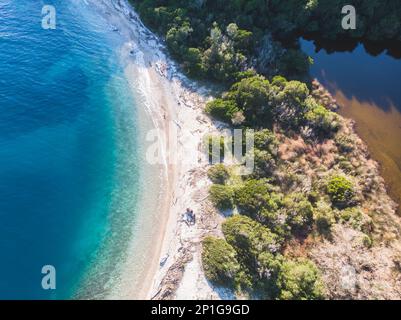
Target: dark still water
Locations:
point(368, 90)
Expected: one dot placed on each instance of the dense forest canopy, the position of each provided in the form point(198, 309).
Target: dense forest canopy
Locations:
point(377, 19)
point(216, 39)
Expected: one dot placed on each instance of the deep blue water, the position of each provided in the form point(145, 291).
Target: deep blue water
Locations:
point(63, 117)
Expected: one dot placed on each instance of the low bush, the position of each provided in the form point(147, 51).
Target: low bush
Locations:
point(324, 217)
point(249, 236)
point(221, 196)
point(266, 140)
point(218, 173)
point(224, 110)
point(300, 280)
point(344, 143)
point(264, 163)
point(299, 212)
point(324, 122)
point(355, 218)
point(367, 241)
point(219, 261)
point(341, 191)
point(254, 196)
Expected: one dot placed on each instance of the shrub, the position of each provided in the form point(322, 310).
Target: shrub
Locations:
point(299, 211)
point(346, 166)
point(193, 62)
point(313, 196)
point(269, 266)
point(324, 222)
point(265, 163)
point(266, 140)
point(341, 191)
point(293, 93)
point(290, 106)
point(221, 109)
point(252, 96)
point(244, 74)
point(355, 218)
point(324, 217)
point(352, 216)
point(219, 261)
point(275, 220)
point(244, 233)
point(295, 63)
point(221, 196)
point(345, 143)
point(300, 280)
point(323, 121)
point(255, 195)
point(367, 241)
point(218, 173)
point(279, 82)
point(176, 38)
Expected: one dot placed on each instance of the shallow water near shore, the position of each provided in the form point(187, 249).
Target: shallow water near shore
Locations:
point(72, 167)
point(368, 90)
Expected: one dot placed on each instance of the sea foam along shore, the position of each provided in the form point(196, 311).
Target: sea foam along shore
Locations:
point(175, 105)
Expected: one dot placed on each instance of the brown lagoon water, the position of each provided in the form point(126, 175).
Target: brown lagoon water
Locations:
point(368, 89)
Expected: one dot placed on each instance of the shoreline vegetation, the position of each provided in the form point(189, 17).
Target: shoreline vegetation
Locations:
point(313, 220)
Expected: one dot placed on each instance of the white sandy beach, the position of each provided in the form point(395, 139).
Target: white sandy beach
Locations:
point(175, 105)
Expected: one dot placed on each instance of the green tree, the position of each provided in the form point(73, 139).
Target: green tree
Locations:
point(266, 140)
point(221, 109)
point(258, 252)
point(242, 39)
point(264, 164)
point(300, 280)
point(193, 62)
point(218, 173)
point(279, 82)
point(290, 103)
point(295, 63)
point(177, 37)
point(324, 122)
point(252, 96)
point(249, 237)
point(219, 261)
point(221, 60)
point(341, 191)
point(299, 212)
point(221, 196)
point(254, 196)
point(324, 217)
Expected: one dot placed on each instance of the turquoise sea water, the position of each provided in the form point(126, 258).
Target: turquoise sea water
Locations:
point(68, 152)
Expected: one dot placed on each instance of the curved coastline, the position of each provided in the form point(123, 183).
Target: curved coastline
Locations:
point(174, 105)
